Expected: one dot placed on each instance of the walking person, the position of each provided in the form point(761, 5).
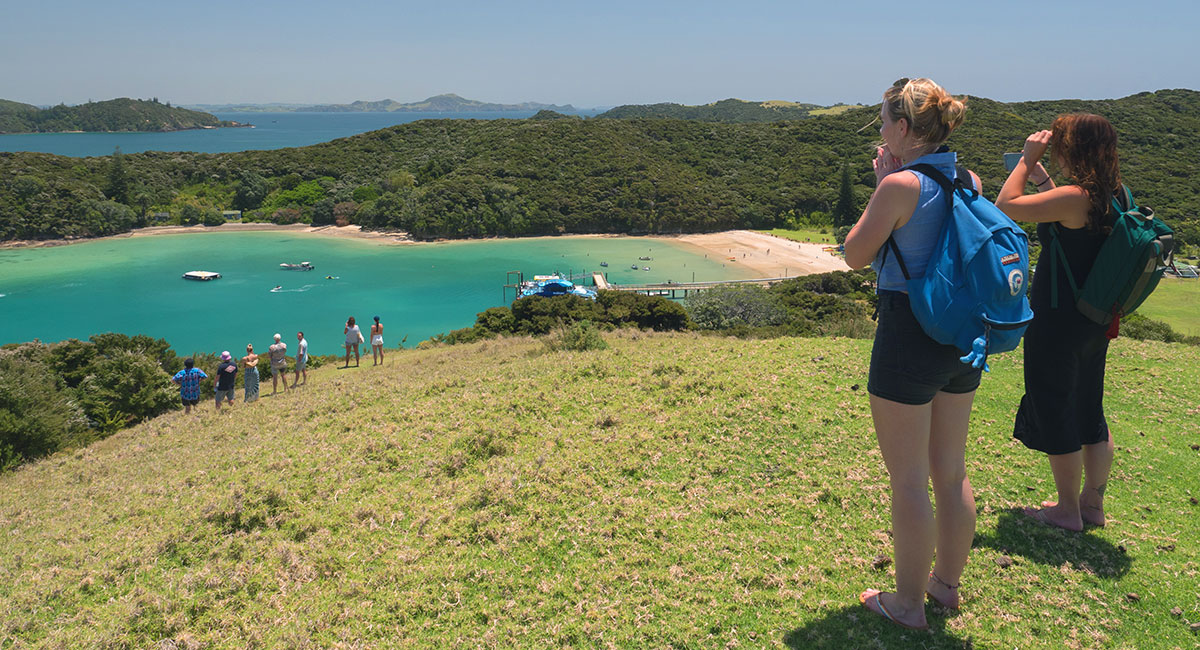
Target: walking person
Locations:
point(301, 359)
point(377, 343)
point(226, 379)
point(354, 337)
point(1062, 411)
point(188, 381)
point(920, 393)
point(250, 378)
point(278, 356)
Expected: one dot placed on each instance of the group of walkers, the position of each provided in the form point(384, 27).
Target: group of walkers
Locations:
point(190, 377)
point(920, 392)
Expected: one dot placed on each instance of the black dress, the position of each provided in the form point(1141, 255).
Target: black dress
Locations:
point(1063, 405)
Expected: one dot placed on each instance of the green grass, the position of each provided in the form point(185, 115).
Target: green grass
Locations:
point(833, 110)
point(806, 235)
point(1177, 302)
point(672, 491)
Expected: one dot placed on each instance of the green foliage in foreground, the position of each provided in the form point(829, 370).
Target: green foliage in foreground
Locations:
point(674, 490)
point(474, 178)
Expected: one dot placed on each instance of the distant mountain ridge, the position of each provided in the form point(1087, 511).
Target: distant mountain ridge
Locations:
point(114, 115)
point(446, 103)
point(727, 110)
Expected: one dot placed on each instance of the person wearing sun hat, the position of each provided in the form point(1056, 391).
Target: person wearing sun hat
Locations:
point(226, 379)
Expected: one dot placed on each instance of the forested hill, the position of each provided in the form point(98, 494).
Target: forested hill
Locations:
point(727, 110)
point(446, 103)
point(471, 178)
point(121, 114)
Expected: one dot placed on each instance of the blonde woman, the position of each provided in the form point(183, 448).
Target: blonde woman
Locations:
point(921, 394)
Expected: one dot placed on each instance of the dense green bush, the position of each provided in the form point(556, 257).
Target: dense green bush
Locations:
point(1144, 328)
point(734, 305)
point(59, 395)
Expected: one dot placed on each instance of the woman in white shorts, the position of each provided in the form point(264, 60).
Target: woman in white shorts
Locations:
point(353, 338)
point(377, 342)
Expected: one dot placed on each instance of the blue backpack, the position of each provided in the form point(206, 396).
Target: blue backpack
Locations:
point(973, 294)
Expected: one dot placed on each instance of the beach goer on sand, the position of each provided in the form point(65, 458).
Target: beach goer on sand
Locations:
point(1062, 411)
point(250, 379)
point(353, 338)
point(377, 342)
point(301, 359)
point(278, 356)
point(188, 380)
point(226, 379)
point(920, 392)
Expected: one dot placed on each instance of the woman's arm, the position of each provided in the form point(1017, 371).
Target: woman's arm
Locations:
point(894, 199)
point(1067, 205)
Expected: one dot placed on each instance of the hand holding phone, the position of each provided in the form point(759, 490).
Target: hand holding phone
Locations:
point(1011, 160)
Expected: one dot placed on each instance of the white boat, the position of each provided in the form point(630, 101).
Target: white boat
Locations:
point(302, 266)
point(203, 276)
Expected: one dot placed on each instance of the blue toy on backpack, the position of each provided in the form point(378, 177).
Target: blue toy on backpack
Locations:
point(973, 293)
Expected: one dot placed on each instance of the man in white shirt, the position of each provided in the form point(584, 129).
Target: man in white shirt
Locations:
point(301, 360)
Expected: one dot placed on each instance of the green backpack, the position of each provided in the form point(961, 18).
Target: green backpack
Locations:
point(1130, 263)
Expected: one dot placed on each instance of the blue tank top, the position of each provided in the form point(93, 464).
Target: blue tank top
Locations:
point(917, 237)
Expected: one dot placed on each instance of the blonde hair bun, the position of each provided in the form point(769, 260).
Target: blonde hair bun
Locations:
point(931, 112)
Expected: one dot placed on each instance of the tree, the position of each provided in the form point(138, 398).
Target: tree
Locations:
point(845, 213)
point(190, 215)
point(117, 188)
point(251, 191)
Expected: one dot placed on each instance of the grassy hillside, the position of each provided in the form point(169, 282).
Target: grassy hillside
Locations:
point(1176, 302)
point(671, 491)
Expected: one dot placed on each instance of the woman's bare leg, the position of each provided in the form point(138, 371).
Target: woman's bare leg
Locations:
point(903, 432)
point(952, 493)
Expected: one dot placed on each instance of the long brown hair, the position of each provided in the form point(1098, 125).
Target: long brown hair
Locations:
point(1086, 145)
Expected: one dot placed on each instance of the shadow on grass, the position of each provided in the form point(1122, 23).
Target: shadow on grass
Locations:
point(855, 627)
point(1016, 534)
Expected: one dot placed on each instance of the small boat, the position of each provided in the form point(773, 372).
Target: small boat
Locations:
point(604, 264)
point(645, 268)
point(202, 276)
point(645, 259)
point(302, 266)
point(633, 266)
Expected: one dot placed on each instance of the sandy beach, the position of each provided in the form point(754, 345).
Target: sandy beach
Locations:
point(767, 255)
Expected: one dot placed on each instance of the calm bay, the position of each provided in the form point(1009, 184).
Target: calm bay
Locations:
point(133, 285)
point(271, 131)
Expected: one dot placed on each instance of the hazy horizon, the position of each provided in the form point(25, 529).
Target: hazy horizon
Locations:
point(623, 52)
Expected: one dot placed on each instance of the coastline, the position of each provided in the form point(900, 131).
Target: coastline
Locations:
point(762, 253)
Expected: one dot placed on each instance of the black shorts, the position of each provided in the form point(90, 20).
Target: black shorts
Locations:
point(909, 367)
point(189, 402)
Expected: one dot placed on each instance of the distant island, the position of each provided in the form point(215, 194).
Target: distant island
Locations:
point(728, 110)
point(114, 115)
point(447, 103)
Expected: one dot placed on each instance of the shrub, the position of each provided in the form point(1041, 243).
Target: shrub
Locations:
point(580, 337)
point(731, 305)
point(1144, 328)
point(125, 387)
point(37, 415)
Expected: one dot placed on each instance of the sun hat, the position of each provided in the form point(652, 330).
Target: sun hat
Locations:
point(225, 356)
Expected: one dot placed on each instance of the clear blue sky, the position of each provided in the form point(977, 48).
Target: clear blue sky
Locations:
point(588, 54)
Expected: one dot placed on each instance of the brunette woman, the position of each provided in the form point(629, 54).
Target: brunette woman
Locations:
point(1062, 412)
point(920, 392)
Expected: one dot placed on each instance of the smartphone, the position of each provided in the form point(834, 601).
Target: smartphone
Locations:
point(1011, 160)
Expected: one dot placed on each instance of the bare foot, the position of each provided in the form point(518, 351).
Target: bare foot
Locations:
point(1052, 516)
point(875, 601)
point(945, 595)
point(1090, 510)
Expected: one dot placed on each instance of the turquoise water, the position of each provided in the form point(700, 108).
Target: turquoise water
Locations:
point(133, 285)
point(271, 131)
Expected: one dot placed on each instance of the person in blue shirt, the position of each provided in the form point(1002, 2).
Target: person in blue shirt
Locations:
point(920, 393)
point(188, 380)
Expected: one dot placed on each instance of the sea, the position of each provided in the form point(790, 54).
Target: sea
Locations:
point(271, 131)
point(134, 285)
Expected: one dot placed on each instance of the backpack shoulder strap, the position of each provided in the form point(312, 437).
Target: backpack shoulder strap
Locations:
point(1058, 257)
